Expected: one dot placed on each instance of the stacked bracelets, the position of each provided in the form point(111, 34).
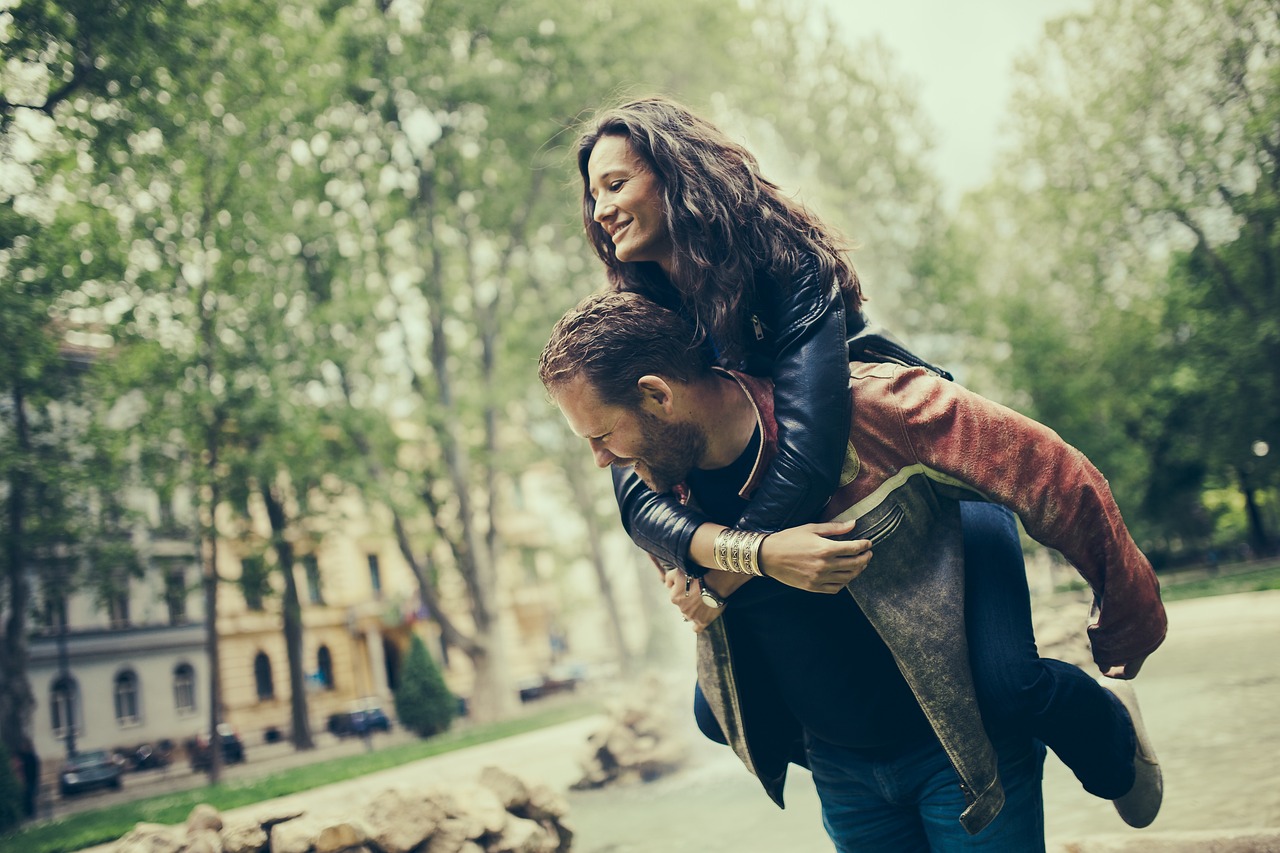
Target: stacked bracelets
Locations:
point(739, 551)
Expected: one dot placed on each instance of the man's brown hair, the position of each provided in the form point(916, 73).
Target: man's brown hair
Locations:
point(613, 339)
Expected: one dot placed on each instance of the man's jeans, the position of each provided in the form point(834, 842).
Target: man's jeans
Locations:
point(910, 802)
point(1021, 693)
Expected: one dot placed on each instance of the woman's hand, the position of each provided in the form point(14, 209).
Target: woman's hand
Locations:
point(809, 558)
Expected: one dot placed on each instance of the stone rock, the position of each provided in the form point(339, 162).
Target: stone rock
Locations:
point(524, 836)
point(204, 841)
point(340, 836)
point(450, 837)
point(512, 791)
point(633, 744)
point(204, 817)
point(243, 837)
point(398, 822)
point(294, 836)
point(544, 804)
point(151, 838)
point(479, 810)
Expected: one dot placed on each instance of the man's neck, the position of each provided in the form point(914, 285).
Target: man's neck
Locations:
point(728, 417)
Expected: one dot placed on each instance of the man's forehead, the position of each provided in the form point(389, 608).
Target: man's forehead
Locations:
point(587, 414)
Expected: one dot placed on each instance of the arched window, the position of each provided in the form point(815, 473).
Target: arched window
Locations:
point(262, 676)
point(64, 705)
point(184, 688)
point(324, 667)
point(126, 695)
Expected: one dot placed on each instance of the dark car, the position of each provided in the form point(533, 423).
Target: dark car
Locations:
point(362, 720)
point(86, 770)
point(232, 748)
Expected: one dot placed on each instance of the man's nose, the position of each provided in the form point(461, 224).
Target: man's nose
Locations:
point(602, 455)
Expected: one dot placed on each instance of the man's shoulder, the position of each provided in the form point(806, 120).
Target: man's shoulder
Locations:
point(890, 377)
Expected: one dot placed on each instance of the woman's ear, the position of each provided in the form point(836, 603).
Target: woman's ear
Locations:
point(655, 394)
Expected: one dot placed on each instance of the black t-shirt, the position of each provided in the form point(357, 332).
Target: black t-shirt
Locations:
point(834, 672)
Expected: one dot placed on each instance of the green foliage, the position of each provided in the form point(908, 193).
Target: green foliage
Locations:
point(10, 793)
point(424, 704)
point(1117, 280)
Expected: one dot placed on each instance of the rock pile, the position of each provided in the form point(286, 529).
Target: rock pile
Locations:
point(635, 744)
point(502, 813)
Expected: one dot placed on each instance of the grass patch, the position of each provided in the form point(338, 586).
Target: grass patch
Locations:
point(1253, 580)
point(99, 826)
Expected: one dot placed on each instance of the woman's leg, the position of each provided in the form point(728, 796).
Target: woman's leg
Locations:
point(1020, 692)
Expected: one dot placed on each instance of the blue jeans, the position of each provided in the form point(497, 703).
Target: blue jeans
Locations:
point(911, 800)
point(1019, 692)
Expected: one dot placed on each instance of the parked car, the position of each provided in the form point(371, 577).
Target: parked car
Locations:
point(232, 748)
point(96, 768)
point(363, 717)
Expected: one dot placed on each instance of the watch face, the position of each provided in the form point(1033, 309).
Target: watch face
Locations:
point(709, 598)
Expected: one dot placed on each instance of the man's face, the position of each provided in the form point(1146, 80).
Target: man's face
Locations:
point(662, 450)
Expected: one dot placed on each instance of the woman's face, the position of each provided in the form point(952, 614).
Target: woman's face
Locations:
point(628, 203)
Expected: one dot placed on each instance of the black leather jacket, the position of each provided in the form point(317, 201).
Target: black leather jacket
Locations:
point(797, 336)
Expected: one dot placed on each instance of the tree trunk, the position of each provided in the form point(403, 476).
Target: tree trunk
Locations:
point(581, 497)
point(210, 551)
point(1259, 541)
point(16, 700)
point(292, 613)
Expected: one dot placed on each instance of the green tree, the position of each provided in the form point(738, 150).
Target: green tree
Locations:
point(1118, 277)
point(424, 704)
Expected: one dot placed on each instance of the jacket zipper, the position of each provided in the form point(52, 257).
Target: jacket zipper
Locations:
point(758, 327)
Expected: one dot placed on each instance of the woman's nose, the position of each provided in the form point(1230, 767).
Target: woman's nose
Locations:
point(605, 210)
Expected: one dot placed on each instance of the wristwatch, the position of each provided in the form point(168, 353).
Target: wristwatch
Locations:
point(710, 599)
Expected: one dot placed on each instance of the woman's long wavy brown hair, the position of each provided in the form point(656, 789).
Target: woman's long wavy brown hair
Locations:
point(727, 221)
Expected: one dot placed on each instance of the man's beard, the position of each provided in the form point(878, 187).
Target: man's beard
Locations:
point(670, 452)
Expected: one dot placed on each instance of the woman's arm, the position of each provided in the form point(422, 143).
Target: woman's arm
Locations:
point(812, 409)
point(811, 404)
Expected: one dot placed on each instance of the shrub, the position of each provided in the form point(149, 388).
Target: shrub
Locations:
point(423, 702)
point(10, 793)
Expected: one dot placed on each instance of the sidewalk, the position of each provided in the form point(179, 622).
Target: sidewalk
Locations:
point(1208, 696)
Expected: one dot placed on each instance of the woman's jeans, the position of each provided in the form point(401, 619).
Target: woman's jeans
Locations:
point(909, 802)
point(1020, 692)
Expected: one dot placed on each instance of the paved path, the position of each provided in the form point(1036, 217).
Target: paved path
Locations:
point(1210, 698)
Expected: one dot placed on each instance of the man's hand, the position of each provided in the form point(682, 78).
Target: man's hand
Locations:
point(686, 595)
point(1125, 671)
point(808, 558)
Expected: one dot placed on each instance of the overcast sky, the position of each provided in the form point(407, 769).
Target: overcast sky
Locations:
point(961, 53)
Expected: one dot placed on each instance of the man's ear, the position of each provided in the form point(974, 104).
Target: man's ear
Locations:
point(655, 394)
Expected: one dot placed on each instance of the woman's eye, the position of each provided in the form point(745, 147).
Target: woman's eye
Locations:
point(615, 186)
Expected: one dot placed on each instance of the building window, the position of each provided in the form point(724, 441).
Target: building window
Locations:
point(64, 705)
point(262, 676)
point(175, 594)
point(118, 605)
point(184, 688)
point(324, 667)
point(375, 576)
point(314, 594)
point(126, 695)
